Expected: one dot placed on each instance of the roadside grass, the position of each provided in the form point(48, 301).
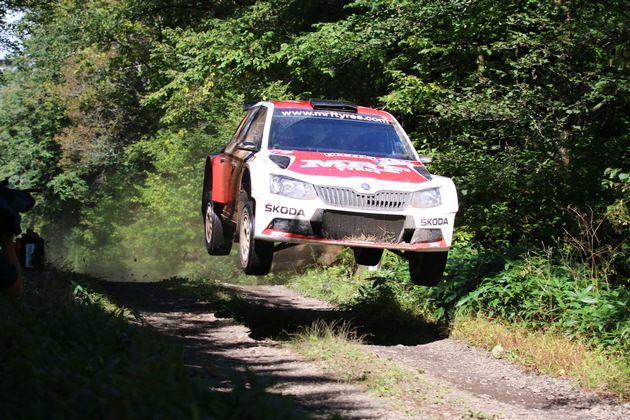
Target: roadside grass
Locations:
point(390, 297)
point(336, 347)
point(548, 353)
point(337, 283)
point(68, 352)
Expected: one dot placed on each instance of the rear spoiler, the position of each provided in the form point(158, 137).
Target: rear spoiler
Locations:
point(325, 104)
point(333, 105)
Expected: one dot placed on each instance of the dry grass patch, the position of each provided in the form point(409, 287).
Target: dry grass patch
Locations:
point(336, 347)
point(548, 353)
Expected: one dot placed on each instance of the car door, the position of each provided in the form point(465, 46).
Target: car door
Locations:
point(223, 166)
point(245, 144)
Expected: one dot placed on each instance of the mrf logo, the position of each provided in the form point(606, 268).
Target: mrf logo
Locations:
point(351, 165)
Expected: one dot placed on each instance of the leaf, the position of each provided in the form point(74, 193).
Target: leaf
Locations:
point(589, 300)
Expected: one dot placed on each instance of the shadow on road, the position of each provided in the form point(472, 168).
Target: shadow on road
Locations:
point(271, 316)
point(220, 353)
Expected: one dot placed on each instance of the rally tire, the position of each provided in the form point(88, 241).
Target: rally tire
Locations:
point(426, 268)
point(367, 256)
point(256, 256)
point(218, 236)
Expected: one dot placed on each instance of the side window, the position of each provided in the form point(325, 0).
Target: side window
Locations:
point(241, 130)
point(255, 131)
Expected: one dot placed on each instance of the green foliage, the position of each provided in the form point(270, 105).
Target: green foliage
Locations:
point(618, 215)
point(65, 356)
point(504, 99)
point(542, 294)
point(206, 71)
point(27, 115)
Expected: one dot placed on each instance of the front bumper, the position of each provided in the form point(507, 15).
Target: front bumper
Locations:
point(373, 230)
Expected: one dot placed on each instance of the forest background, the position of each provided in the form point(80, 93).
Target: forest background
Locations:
point(109, 108)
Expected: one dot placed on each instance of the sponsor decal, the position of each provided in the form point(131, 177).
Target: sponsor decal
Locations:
point(336, 115)
point(334, 154)
point(435, 221)
point(291, 211)
point(390, 161)
point(343, 165)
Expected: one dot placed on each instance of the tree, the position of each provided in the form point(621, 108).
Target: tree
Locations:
point(512, 97)
point(525, 104)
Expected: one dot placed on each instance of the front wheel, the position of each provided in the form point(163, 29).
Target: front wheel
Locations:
point(426, 268)
point(256, 255)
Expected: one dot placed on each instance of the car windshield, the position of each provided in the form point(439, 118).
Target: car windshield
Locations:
point(335, 132)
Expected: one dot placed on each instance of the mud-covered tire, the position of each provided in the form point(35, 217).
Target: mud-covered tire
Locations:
point(256, 256)
point(367, 256)
point(426, 268)
point(218, 236)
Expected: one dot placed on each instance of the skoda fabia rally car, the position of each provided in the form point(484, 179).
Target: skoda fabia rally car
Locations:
point(326, 172)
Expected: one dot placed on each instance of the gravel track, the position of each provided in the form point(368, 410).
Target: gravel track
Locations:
point(468, 382)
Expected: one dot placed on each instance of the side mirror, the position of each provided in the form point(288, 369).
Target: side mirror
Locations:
point(425, 159)
point(248, 146)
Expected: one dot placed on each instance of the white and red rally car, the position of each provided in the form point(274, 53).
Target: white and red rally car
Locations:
point(326, 172)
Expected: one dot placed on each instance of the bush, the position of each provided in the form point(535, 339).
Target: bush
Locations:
point(542, 293)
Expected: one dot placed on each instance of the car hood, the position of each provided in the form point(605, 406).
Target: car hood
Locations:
point(347, 166)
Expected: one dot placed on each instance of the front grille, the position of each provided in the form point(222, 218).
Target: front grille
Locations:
point(347, 197)
point(385, 228)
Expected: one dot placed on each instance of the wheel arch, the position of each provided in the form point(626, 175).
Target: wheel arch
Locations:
point(246, 187)
point(246, 182)
point(207, 184)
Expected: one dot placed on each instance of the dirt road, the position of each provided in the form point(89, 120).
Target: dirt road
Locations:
point(471, 383)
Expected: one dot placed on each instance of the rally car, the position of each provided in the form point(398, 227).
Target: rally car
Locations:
point(326, 172)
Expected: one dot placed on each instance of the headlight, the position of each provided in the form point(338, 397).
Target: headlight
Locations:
point(427, 198)
point(290, 187)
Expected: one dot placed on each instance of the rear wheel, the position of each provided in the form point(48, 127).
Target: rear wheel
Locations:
point(218, 236)
point(367, 256)
point(426, 268)
point(256, 255)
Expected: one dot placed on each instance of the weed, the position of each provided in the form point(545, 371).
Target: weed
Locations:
point(479, 415)
point(341, 331)
point(587, 248)
point(542, 295)
point(336, 283)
